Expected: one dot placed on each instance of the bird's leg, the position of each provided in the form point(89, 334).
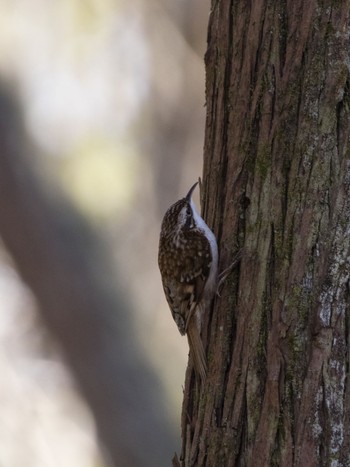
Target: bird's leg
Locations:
point(226, 272)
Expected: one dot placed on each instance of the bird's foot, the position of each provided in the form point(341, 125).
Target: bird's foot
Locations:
point(226, 272)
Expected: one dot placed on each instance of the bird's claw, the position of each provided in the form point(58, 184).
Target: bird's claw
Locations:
point(226, 272)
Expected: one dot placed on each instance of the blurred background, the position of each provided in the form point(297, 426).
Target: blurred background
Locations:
point(101, 128)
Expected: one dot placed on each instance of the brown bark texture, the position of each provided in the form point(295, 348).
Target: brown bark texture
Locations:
point(277, 183)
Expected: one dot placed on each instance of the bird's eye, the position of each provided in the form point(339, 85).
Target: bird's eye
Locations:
point(188, 211)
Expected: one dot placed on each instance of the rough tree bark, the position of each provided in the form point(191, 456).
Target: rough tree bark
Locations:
point(277, 183)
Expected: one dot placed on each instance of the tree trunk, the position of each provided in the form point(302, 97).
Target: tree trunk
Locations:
point(277, 183)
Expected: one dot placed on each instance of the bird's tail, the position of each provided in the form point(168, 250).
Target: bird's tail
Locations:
point(196, 349)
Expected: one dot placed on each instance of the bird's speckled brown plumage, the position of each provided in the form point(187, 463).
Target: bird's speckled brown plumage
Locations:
point(185, 260)
point(184, 263)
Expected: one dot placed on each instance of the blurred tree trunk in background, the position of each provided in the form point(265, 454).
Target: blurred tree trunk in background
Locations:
point(276, 182)
point(82, 304)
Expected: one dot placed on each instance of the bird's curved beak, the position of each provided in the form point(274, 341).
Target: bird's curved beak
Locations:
point(189, 194)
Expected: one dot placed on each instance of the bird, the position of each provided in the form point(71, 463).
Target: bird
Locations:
point(188, 263)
